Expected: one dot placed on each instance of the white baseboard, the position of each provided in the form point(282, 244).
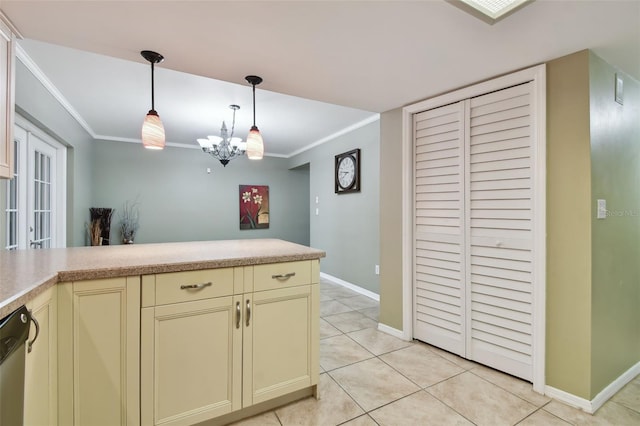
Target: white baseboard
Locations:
point(568, 398)
point(602, 397)
point(392, 331)
point(357, 289)
point(614, 387)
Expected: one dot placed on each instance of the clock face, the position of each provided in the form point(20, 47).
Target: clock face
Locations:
point(346, 172)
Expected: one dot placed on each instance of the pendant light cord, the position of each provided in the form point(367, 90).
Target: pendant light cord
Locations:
point(152, 90)
point(233, 123)
point(254, 105)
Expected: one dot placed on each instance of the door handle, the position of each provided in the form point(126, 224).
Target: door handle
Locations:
point(238, 314)
point(35, 322)
point(248, 311)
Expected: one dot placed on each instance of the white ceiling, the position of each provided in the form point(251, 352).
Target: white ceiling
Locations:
point(327, 65)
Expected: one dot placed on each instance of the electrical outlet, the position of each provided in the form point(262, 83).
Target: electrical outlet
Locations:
point(317, 199)
point(377, 269)
point(317, 211)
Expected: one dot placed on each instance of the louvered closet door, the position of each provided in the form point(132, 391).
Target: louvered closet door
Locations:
point(499, 218)
point(439, 314)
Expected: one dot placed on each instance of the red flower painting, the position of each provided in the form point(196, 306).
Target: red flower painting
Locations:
point(254, 206)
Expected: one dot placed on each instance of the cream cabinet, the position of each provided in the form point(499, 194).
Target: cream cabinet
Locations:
point(41, 363)
point(7, 89)
point(281, 337)
point(99, 352)
point(219, 341)
point(190, 347)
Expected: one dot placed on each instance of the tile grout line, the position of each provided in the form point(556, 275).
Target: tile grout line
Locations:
point(420, 388)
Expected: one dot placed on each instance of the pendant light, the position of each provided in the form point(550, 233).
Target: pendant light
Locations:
point(255, 146)
point(152, 128)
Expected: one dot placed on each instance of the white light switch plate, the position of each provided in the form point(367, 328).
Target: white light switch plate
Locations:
point(602, 209)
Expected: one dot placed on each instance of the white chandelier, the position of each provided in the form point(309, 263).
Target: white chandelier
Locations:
point(224, 147)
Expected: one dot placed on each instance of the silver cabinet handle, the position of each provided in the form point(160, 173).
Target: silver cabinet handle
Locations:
point(238, 314)
point(248, 311)
point(283, 276)
point(195, 286)
point(31, 342)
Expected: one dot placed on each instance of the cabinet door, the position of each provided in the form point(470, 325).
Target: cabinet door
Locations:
point(191, 361)
point(41, 369)
point(280, 342)
point(99, 352)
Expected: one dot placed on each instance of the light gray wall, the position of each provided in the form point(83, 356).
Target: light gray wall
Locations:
point(347, 226)
point(179, 201)
point(35, 103)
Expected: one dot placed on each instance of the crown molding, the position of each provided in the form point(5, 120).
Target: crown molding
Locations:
point(349, 129)
point(51, 88)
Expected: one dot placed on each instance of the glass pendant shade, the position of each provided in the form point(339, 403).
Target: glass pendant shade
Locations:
point(255, 146)
point(152, 131)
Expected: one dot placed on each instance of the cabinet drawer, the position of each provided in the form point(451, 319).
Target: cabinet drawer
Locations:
point(280, 275)
point(174, 287)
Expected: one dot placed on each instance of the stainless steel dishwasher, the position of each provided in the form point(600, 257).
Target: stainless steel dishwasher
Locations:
point(14, 331)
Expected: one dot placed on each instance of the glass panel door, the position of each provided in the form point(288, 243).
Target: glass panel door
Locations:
point(12, 207)
point(42, 159)
point(16, 195)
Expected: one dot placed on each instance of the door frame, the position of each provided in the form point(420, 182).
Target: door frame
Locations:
point(537, 75)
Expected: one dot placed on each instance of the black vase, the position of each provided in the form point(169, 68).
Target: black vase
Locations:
point(100, 221)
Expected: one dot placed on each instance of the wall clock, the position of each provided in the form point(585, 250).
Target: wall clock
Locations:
point(347, 177)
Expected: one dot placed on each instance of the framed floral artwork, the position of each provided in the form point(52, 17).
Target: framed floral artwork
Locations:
point(254, 207)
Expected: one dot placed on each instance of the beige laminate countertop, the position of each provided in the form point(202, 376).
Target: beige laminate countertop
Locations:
point(26, 273)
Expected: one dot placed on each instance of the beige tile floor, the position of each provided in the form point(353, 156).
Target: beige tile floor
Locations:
point(370, 378)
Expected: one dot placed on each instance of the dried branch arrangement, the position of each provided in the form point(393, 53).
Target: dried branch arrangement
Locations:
point(129, 221)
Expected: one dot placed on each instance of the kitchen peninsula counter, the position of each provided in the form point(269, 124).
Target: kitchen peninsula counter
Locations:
point(24, 274)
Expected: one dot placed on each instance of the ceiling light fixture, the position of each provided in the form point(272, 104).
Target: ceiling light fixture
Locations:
point(490, 11)
point(152, 128)
point(224, 147)
point(255, 145)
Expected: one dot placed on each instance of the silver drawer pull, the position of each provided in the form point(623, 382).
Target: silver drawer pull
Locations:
point(195, 286)
point(283, 276)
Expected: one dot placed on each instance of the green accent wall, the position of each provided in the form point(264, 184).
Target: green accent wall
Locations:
point(593, 273)
point(347, 225)
point(180, 201)
point(391, 219)
point(615, 177)
point(568, 305)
